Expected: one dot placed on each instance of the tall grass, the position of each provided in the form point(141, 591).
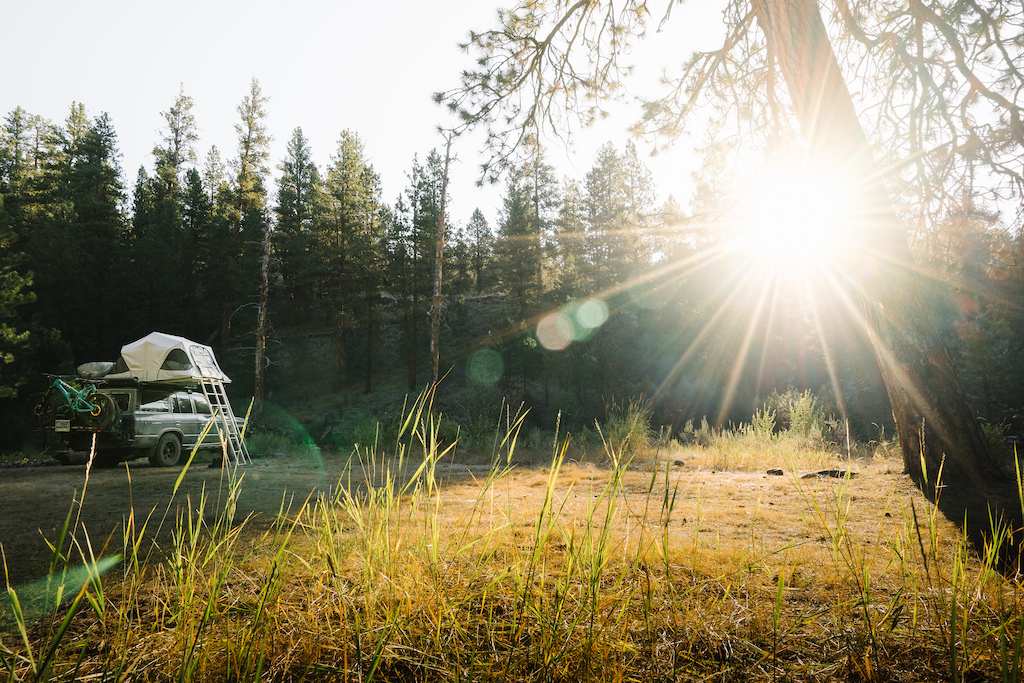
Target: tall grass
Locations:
point(567, 572)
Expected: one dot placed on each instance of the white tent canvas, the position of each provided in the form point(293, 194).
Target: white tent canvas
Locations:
point(160, 357)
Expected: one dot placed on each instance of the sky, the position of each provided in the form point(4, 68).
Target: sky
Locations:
point(325, 66)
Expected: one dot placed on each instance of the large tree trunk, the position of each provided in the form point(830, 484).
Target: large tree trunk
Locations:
point(935, 424)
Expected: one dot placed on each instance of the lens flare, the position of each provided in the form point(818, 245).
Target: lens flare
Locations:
point(485, 367)
point(555, 331)
point(592, 313)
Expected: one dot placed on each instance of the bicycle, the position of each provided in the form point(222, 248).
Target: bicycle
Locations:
point(63, 400)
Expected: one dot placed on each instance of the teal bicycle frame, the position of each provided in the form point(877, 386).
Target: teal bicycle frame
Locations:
point(63, 394)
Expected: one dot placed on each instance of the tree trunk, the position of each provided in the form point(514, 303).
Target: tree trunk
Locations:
point(261, 321)
point(435, 307)
point(935, 424)
point(339, 322)
point(339, 350)
point(368, 383)
point(414, 338)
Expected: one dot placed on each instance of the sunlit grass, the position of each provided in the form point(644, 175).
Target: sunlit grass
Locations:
point(659, 564)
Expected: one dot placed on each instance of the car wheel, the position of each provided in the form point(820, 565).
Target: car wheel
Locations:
point(167, 452)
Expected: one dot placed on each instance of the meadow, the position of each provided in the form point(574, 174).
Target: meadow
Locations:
point(741, 554)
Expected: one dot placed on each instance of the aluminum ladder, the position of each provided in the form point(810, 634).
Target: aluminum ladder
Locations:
point(235, 451)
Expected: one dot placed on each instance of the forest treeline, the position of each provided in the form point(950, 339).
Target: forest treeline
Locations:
point(587, 292)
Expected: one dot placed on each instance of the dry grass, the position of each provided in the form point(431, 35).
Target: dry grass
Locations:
point(707, 570)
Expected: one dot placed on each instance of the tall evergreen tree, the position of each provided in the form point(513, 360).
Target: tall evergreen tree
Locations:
point(518, 247)
point(247, 216)
point(568, 257)
point(606, 219)
point(15, 145)
point(198, 219)
point(214, 242)
point(163, 249)
point(417, 219)
point(14, 292)
point(480, 240)
point(349, 231)
point(298, 189)
point(179, 140)
point(79, 240)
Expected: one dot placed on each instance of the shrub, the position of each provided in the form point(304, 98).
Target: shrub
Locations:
point(628, 427)
point(763, 423)
point(800, 413)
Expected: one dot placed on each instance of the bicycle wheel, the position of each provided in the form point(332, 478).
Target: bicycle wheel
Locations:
point(103, 414)
point(43, 410)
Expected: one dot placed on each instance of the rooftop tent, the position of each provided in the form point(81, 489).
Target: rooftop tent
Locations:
point(160, 357)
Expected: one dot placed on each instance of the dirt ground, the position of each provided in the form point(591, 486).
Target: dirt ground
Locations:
point(718, 505)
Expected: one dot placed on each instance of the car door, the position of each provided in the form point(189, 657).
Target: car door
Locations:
point(185, 417)
point(154, 417)
point(203, 414)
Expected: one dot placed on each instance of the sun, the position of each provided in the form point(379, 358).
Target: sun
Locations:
point(793, 221)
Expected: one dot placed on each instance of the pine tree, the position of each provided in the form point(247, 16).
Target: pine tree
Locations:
point(480, 240)
point(214, 241)
point(90, 174)
point(247, 216)
point(568, 255)
point(415, 239)
point(517, 250)
point(198, 221)
point(298, 190)
point(164, 256)
point(349, 235)
point(14, 292)
point(250, 166)
point(16, 147)
point(178, 143)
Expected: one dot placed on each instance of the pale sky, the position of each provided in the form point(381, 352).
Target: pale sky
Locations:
point(326, 66)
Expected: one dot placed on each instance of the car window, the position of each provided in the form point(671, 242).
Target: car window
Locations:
point(122, 399)
point(182, 404)
point(202, 406)
point(158, 404)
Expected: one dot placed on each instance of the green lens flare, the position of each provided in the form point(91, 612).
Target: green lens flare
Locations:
point(592, 313)
point(485, 367)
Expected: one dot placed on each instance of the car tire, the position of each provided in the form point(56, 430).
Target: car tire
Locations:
point(167, 451)
point(104, 414)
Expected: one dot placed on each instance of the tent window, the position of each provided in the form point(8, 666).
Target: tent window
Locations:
point(177, 360)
